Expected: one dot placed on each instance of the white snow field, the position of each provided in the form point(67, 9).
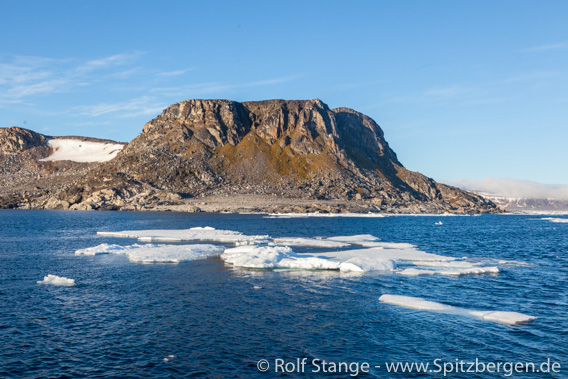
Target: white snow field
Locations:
point(183, 235)
point(82, 151)
point(503, 317)
point(151, 253)
point(55, 280)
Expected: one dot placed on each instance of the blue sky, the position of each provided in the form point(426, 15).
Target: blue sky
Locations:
point(462, 89)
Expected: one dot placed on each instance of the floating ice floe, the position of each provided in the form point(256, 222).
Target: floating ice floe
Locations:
point(503, 317)
point(382, 257)
point(65, 149)
point(55, 280)
point(184, 235)
point(556, 220)
point(151, 253)
point(283, 257)
point(371, 254)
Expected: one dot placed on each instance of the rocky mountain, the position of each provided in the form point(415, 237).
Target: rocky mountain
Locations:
point(27, 181)
point(336, 159)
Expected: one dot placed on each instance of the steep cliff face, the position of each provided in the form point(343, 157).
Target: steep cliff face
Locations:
point(298, 149)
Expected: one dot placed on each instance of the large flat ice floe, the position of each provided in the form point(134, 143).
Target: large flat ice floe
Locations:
point(503, 317)
point(55, 280)
point(186, 235)
point(283, 257)
point(82, 151)
point(380, 258)
point(151, 253)
point(360, 253)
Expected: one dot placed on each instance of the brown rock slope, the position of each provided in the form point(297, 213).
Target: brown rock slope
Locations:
point(26, 182)
point(284, 149)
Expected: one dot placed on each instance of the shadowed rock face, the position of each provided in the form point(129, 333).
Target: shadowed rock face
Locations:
point(292, 149)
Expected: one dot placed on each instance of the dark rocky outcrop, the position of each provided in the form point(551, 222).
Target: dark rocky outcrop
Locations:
point(289, 149)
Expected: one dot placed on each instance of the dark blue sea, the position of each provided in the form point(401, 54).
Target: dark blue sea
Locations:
point(205, 318)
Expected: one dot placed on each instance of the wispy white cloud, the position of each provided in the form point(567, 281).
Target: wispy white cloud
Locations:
point(144, 105)
point(451, 91)
point(531, 76)
point(175, 72)
point(269, 82)
point(210, 88)
point(23, 77)
point(485, 100)
point(546, 47)
point(107, 62)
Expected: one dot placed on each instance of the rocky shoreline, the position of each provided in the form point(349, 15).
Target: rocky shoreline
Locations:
point(168, 202)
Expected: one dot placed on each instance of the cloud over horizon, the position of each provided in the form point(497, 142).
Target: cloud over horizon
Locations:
point(513, 188)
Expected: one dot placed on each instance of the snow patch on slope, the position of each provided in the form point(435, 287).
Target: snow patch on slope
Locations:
point(82, 151)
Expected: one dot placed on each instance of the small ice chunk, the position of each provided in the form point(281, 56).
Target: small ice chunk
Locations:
point(438, 223)
point(503, 317)
point(55, 280)
point(510, 318)
point(169, 357)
